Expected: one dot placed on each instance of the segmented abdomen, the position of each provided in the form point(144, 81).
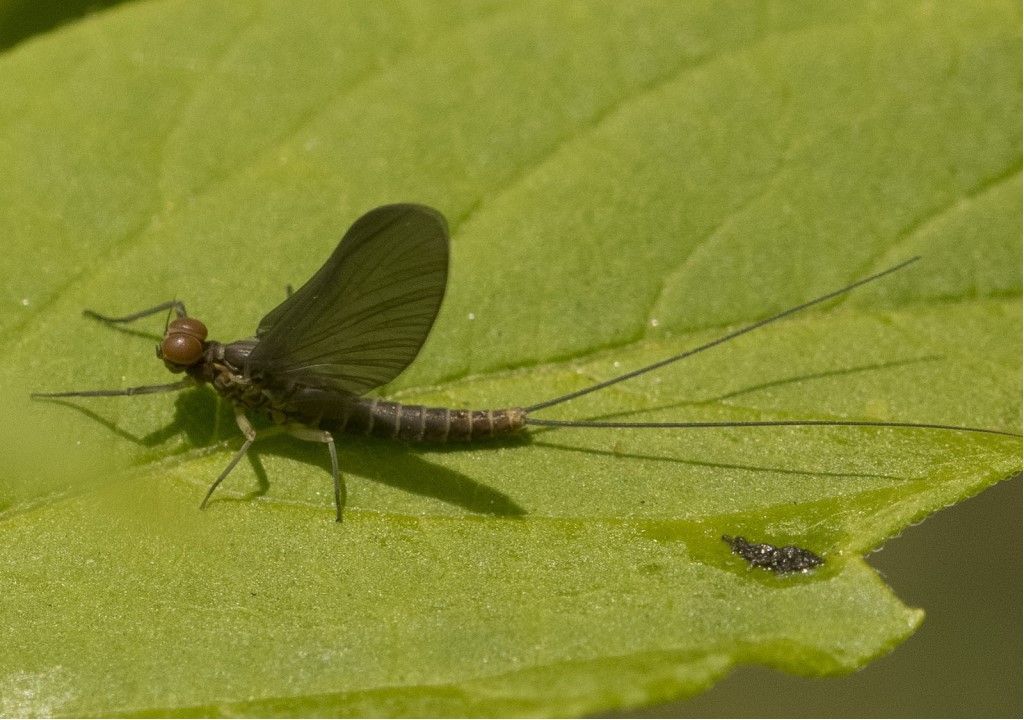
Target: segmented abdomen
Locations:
point(416, 423)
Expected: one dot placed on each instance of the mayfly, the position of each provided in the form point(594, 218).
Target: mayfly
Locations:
point(358, 323)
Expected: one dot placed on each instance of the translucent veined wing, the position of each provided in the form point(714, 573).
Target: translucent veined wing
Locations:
point(363, 317)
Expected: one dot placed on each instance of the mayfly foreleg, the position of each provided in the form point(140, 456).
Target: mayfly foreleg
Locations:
point(139, 390)
point(250, 436)
point(322, 436)
point(177, 305)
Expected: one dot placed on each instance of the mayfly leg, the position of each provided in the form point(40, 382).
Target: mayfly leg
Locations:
point(138, 390)
point(177, 305)
point(322, 436)
point(298, 431)
point(250, 436)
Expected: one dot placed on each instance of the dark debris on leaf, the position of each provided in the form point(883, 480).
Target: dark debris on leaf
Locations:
point(780, 560)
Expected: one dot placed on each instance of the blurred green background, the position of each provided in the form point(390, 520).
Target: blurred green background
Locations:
point(21, 19)
point(966, 659)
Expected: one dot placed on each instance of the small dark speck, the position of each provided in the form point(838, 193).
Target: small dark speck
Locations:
point(780, 560)
point(650, 569)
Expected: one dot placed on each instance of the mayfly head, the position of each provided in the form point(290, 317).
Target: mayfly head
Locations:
point(183, 345)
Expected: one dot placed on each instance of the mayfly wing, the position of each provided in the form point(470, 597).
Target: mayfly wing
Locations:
point(363, 317)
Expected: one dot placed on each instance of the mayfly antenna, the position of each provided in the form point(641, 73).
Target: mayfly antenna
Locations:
point(718, 341)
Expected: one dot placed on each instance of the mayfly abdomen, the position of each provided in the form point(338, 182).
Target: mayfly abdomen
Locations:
point(353, 415)
point(416, 423)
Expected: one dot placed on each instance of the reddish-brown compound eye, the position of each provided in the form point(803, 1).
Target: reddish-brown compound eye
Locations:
point(181, 349)
point(187, 326)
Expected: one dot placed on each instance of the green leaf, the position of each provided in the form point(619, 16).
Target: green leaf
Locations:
point(623, 181)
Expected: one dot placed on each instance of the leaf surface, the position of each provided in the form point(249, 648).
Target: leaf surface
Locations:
point(623, 181)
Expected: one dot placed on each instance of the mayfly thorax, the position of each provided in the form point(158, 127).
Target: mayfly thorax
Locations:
point(358, 323)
